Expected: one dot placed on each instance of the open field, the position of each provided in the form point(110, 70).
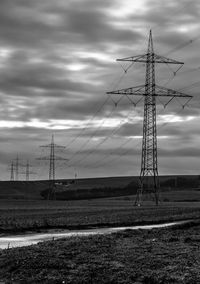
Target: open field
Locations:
point(34, 189)
point(21, 215)
point(88, 188)
point(144, 257)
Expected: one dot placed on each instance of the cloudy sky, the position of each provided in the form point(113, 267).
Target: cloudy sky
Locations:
point(58, 60)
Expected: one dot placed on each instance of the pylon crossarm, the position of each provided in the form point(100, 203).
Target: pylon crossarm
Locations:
point(31, 173)
point(138, 90)
point(48, 158)
point(49, 145)
point(43, 158)
point(60, 158)
point(153, 58)
point(165, 92)
point(163, 59)
point(59, 146)
point(136, 58)
point(45, 146)
point(159, 91)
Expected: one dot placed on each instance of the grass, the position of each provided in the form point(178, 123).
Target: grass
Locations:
point(143, 257)
point(156, 256)
point(23, 215)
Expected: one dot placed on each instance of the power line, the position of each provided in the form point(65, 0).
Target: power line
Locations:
point(89, 121)
point(119, 147)
point(183, 45)
point(115, 83)
point(93, 134)
point(192, 85)
point(104, 140)
point(126, 151)
point(108, 137)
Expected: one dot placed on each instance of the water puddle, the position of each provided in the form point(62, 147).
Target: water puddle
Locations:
point(34, 238)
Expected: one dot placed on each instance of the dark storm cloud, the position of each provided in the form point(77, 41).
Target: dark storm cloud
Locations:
point(34, 31)
point(30, 24)
point(166, 14)
point(56, 64)
point(96, 27)
point(21, 77)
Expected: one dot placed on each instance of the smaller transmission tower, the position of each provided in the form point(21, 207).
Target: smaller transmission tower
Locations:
point(16, 166)
point(28, 172)
point(52, 158)
point(12, 171)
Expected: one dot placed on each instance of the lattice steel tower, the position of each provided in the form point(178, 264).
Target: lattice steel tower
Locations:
point(17, 168)
point(12, 171)
point(28, 172)
point(149, 181)
point(52, 158)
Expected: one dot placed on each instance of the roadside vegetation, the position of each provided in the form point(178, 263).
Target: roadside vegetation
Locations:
point(144, 257)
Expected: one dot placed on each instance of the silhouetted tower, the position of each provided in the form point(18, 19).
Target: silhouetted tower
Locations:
point(149, 181)
point(27, 170)
point(17, 168)
point(52, 158)
point(12, 171)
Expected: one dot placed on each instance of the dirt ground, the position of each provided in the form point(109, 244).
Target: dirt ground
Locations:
point(158, 256)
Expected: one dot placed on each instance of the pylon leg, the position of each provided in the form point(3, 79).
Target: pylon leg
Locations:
point(138, 199)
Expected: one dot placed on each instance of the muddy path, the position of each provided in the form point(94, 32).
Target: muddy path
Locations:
point(21, 240)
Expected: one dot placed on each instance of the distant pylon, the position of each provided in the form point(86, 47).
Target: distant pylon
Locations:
point(12, 171)
point(149, 165)
point(17, 168)
point(52, 160)
point(52, 170)
point(27, 171)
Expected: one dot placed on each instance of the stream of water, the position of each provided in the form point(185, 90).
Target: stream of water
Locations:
point(21, 240)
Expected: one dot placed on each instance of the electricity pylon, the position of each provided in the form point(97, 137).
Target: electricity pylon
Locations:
point(28, 172)
point(16, 166)
point(149, 165)
point(12, 171)
point(52, 169)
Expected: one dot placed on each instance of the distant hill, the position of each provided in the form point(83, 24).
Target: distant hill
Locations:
point(35, 189)
point(87, 188)
point(22, 189)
